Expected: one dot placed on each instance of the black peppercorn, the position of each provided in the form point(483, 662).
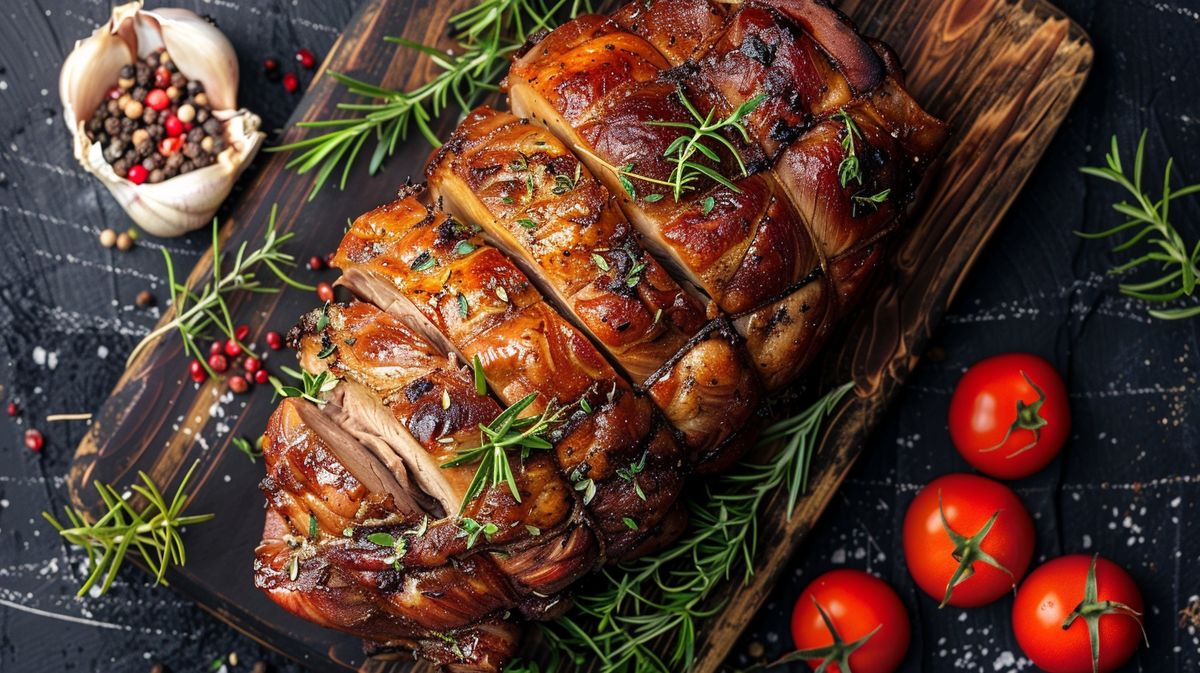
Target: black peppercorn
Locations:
point(149, 115)
point(144, 76)
point(179, 80)
point(191, 149)
point(127, 70)
point(113, 107)
point(186, 166)
point(156, 132)
point(201, 115)
point(157, 175)
point(120, 167)
point(138, 93)
point(175, 161)
point(152, 161)
point(212, 127)
point(145, 149)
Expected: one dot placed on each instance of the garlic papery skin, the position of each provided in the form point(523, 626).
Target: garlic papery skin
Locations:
point(188, 201)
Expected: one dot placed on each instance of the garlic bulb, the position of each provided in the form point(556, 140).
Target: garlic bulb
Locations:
point(187, 201)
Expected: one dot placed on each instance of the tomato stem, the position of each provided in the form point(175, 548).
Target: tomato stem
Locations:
point(838, 652)
point(1028, 418)
point(968, 550)
point(1091, 609)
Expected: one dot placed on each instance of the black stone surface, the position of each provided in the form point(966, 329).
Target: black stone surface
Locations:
point(1127, 487)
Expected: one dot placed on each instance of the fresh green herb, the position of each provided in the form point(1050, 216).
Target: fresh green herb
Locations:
point(445, 398)
point(600, 262)
point(486, 36)
point(871, 202)
point(653, 198)
point(480, 379)
point(849, 169)
point(588, 487)
point(527, 223)
point(195, 312)
point(472, 529)
point(153, 532)
point(629, 523)
point(704, 129)
point(1149, 219)
point(707, 205)
point(464, 248)
point(382, 539)
point(630, 474)
point(252, 451)
point(323, 318)
point(506, 432)
point(657, 315)
point(312, 386)
point(585, 405)
point(312, 526)
point(423, 262)
point(327, 351)
point(655, 604)
point(463, 309)
point(634, 275)
point(521, 165)
point(507, 199)
point(533, 530)
point(502, 293)
point(564, 183)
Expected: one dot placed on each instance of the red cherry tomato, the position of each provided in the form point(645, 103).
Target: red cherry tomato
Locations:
point(857, 604)
point(1009, 416)
point(1076, 589)
point(952, 528)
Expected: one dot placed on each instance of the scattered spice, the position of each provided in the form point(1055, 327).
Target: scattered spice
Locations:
point(108, 238)
point(145, 299)
point(34, 440)
point(124, 242)
point(274, 340)
point(156, 123)
point(315, 263)
point(306, 59)
point(291, 83)
point(324, 291)
point(238, 385)
point(13, 409)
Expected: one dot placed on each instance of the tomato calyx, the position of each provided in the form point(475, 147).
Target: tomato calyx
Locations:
point(1028, 418)
point(968, 550)
point(1091, 609)
point(838, 652)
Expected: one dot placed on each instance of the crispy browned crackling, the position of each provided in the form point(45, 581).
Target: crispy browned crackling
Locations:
point(747, 248)
point(537, 202)
point(438, 275)
point(396, 378)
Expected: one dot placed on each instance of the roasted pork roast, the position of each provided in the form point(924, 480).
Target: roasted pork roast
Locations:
point(550, 338)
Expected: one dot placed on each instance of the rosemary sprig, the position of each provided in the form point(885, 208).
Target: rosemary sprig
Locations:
point(849, 169)
point(1175, 261)
point(152, 533)
point(687, 171)
point(506, 432)
point(253, 450)
point(198, 311)
point(312, 386)
point(704, 129)
point(486, 36)
point(656, 603)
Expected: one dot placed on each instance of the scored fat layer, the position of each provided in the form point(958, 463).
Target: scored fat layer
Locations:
point(720, 57)
point(438, 275)
point(537, 201)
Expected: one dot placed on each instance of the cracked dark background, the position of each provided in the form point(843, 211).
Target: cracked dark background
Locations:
point(1127, 485)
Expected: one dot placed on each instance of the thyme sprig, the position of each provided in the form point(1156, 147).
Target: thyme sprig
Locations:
point(486, 36)
point(1175, 261)
point(656, 603)
point(849, 170)
point(196, 312)
point(507, 432)
point(153, 533)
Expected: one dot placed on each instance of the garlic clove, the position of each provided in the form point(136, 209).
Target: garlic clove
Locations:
point(201, 51)
point(188, 201)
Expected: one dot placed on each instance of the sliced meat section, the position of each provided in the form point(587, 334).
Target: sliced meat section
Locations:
point(396, 379)
point(538, 203)
point(326, 563)
point(437, 274)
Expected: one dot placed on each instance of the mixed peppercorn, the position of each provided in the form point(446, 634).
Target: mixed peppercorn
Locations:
point(156, 123)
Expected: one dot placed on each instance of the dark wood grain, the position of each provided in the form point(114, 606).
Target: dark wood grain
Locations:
point(1002, 73)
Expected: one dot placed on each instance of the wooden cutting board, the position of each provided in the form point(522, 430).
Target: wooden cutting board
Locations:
point(1002, 72)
